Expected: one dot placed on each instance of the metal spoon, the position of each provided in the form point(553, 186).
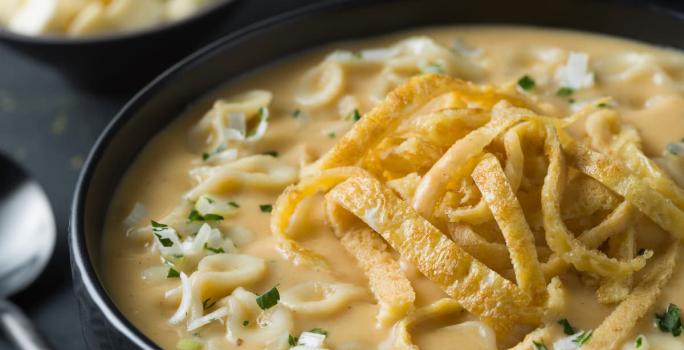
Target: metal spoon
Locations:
point(27, 239)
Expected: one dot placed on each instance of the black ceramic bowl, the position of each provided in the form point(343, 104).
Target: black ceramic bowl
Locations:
point(154, 107)
point(119, 60)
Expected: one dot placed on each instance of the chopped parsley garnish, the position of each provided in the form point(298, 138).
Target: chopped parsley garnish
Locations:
point(245, 323)
point(319, 331)
point(434, 68)
point(166, 242)
point(357, 55)
point(539, 345)
point(196, 216)
point(218, 250)
point(639, 342)
point(565, 91)
point(332, 135)
point(602, 105)
point(526, 83)
point(205, 156)
point(268, 299)
point(266, 208)
point(568, 329)
point(222, 147)
point(582, 338)
point(157, 225)
point(172, 273)
point(292, 340)
point(670, 321)
point(296, 113)
point(273, 154)
point(673, 148)
point(211, 201)
point(355, 115)
point(572, 100)
point(233, 204)
point(207, 303)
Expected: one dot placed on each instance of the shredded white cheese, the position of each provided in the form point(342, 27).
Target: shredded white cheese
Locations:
point(216, 315)
point(575, 73)
point(310, 340)
point(186, 300)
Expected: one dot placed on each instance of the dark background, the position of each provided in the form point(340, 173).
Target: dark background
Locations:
point(48, 125)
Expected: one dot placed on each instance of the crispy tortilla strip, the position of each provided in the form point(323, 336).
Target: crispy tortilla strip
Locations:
point(559, 239)
point(403, 101)
point(615, 176)
point(621, 246)
point(619, 324)
point(287, 202)
point(616, 222)
point(494, 255)
point(386, 280)
point(496, 191)
point(433, 185)
point(475, 286)
point(400, 338)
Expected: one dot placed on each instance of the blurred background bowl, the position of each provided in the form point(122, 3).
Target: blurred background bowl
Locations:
point(119, 61)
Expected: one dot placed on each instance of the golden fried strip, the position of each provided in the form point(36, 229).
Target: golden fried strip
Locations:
point(613, 330)
point(559, 239)
point(616, 222)
point(621, 246)
point(433, 185)
point(401, 332)
point(496, 191)
point(286, 205)
point(381, 120)
point(386, 280)
point(475, 286)
point(494, 255)
point(613, 175)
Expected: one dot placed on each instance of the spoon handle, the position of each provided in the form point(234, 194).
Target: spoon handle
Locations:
point(19, 328)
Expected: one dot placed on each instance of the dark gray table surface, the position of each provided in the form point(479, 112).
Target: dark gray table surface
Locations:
point(48, 126)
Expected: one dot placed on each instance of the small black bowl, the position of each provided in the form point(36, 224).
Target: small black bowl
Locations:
point(105, 327)
point(116, 61)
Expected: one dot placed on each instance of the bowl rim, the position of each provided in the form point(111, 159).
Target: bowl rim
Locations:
point(110, 37)
point(80, 262)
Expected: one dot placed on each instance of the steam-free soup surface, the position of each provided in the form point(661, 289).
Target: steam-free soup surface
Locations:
point(648, 90)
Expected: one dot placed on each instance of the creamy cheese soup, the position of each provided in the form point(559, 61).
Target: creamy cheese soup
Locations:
point(387, 250)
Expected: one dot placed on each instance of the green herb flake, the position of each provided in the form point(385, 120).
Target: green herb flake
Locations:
point(539, 345)
point(266, 208)
point(172, 273)
point(218, 250)
point(213, 217)
point(670, 321)
point(565, 91)
point(582, 338)
point(332, 135)
point(157, 225)
point(292, 340)
point(209, 200)
point(672, 148)
point(166, 242)
point(568, 329)
point(526, 83)
point(205, 156)
point(195, 216)
point(639, 342)
point(296, 113)
point(233, 204)
point(268, 299)
point(273, 154)
point(357, 55)
point(434, 68)
point(355, 115)
point(319, 331)
point(572, 100)
point(602, 105)
point(245, 323)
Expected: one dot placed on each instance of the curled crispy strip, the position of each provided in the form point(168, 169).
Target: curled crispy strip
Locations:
point(613, 175)
point(496, 191)
point(475, 286)
point(386, 280)
point(400, 339)
point(618, 325)
point(376, 124)
point(494, 255)
point(433, 185)
point(621, 246)
point(616, 222)
point(286, 204)
point(559, 239)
